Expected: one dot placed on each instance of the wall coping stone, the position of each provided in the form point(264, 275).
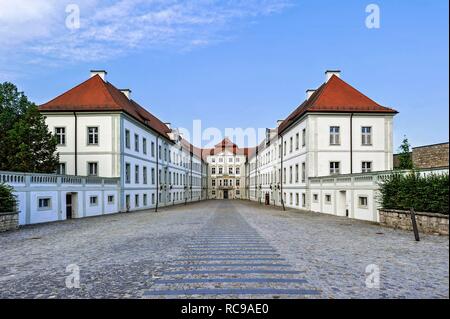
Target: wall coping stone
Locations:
point(407, 212)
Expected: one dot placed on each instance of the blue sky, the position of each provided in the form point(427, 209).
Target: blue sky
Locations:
point(236, 63)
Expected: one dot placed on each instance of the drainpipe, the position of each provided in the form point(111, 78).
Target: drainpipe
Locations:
point(76, 143)
point(191, 175)
point(157, 173)
point(351, 143)
point(281, 174)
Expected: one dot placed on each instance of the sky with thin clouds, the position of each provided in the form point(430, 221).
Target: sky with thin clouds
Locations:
point(235, 63)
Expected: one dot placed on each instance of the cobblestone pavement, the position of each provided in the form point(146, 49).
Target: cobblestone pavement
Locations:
point(226, 249)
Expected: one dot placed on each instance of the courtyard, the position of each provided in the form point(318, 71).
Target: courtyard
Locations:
point(221, 249)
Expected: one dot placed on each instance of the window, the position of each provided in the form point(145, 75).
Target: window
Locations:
point(44, 203)
point(291, 199)
point(303, 200)
point(60, 133)
point(159, 152)
point(291, 144)
point(297, 202)
point(303, 172)
point(213, 160)
point(136, 142)
point(334, 168)
point(296, 173)
point(153, 149)
point(366, 135)
point(110, 199)
point(213, 183)
point(304, 137)
point(238, 159)
point(315, 198)
point(328, 199)
point(127, 173)
point(144, 145)
point(153, 198)
point(92, 135)
point(285, 147)
point(335, 135)
point(145, 200)
point(127, 138)
point(144, 174)
point(230, 170)
point(363, 201)
point(136, 174)
point(230, 160)
point(136, 200)
point(213, 170)
point(61, 170)
point(92, 169)
point(290, 174)
point(153, 176)
point(366, 167)
point(238, 171)
point(220, 170)
point(238, 182)
point(93, 200)
point(297, 141)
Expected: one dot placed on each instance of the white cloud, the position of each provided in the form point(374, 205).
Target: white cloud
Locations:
point(36, 29)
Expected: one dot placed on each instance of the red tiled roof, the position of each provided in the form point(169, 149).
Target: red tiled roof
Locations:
point(335, 96)
point(95, 94)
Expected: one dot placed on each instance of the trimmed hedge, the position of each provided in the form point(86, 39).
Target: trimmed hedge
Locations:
point(423, 193)
point(7, 199)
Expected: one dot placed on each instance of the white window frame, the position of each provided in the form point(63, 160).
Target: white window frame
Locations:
point(335, 135)
point(95, 135)
point(333, 170)
point(60, 135)
point(95, 203)
point(364, 206)
point(366, 137)
point(44, 208)
point(364, 168)
point(94, 164)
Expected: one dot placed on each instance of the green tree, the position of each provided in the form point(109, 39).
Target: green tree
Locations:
point(26, 144)
point(404, 156)
point(7, 199)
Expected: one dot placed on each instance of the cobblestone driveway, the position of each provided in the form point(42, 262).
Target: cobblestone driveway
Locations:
point(228, 249)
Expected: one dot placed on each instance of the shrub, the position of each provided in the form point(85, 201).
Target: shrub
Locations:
point(7, 198)
point(423, 193)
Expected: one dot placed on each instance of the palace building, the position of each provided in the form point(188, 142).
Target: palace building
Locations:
point(336, 131)
point(103, 132)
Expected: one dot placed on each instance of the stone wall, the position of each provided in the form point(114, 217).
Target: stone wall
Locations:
point(431, 156)
point(9, 221)
point(427, 223)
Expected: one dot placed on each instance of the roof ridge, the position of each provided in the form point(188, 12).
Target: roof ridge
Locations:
point(71, 89)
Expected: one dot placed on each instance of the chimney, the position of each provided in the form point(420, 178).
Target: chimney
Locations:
point(127, 93)
point(330, 73)
point(101, 73)
point(279, 122)
point(309, 93)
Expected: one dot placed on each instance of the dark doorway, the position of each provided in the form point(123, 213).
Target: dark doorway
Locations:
point(267, 199)
point(225, 194)
point(69, 208)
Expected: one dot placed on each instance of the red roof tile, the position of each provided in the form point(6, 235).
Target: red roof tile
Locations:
point(335, 96)
point(95, 94)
